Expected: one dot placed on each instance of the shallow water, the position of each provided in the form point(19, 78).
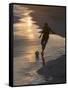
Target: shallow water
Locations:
point(26, 65)
point(26, 43)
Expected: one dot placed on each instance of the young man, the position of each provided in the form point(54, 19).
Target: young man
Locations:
point(45, 36)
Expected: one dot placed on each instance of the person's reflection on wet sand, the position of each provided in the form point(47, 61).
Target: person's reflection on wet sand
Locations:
point(37, 58)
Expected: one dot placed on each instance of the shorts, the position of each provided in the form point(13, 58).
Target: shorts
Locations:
point(44, 42)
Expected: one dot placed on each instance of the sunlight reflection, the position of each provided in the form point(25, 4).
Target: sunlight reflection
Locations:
point(27, 27)
point(29, 30)
point(30, 56)
point(29, 21)
point(31, 36)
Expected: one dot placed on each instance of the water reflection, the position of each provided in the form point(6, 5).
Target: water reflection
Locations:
point(28, 30)
point(27, 27)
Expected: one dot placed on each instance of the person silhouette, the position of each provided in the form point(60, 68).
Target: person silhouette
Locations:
point(45, 36)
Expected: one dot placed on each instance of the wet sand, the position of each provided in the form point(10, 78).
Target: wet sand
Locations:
point(27, 69)
point(54, 71)
point(28, 21)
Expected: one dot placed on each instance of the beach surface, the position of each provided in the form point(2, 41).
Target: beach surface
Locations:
point(29, 70)
point(28, 22)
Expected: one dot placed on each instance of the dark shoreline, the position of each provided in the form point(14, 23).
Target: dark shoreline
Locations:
point(56, 69)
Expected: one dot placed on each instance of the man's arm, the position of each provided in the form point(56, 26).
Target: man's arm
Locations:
point(40, 35)
point(52, 31)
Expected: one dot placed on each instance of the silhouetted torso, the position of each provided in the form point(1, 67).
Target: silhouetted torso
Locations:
point(45, 32)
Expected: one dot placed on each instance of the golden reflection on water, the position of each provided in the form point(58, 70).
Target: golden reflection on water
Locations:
point(55, 48)
point(31, 36)
point(26, 27)
point(55, 43)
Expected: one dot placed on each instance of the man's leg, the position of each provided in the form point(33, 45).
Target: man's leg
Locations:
point(43, 47)
point(42, 54)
